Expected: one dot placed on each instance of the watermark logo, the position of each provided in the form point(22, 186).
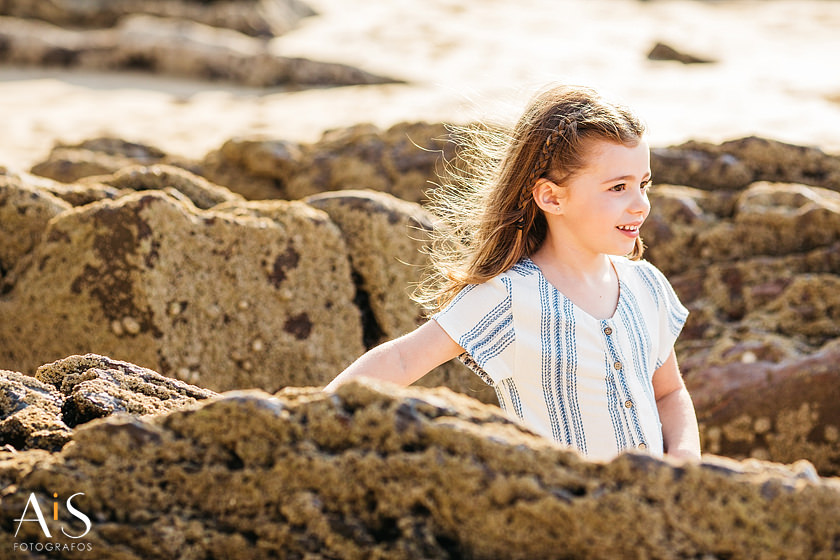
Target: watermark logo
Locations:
point(32, 513)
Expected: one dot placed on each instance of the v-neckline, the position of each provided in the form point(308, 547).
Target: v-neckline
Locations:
point(576, 306)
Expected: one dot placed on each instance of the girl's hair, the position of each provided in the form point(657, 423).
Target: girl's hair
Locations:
point(488, 219)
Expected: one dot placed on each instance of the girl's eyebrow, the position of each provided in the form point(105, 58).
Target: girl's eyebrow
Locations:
point(626, 178)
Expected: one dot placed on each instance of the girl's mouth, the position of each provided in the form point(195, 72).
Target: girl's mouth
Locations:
point(629, 230)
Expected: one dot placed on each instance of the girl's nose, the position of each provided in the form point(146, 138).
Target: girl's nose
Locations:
point(641, 203)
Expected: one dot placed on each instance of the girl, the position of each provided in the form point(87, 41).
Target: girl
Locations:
point(533, 292)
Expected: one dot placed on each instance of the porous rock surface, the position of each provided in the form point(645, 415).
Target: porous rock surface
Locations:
point(375, 472)
point(737, 163)
point(24, 213)
point(30, 413)
point(169, 46)
point(221, 300)
point(401, 160)
point(759, 270)
point(252, 17)
point(385, 237)
point(201, 192)
point(68, 163)
point(39, 412)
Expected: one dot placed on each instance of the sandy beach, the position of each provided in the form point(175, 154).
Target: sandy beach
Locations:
point(773, 76)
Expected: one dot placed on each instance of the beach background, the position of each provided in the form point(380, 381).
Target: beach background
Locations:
point(774, 74)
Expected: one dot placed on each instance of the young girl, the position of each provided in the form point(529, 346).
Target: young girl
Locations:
point(540, 289)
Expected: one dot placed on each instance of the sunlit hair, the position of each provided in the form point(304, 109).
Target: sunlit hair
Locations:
point(488, 219)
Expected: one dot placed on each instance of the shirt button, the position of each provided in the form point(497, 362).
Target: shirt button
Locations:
point(643, 445)
point(617, 365)
point(628, 403)
point(608, 331)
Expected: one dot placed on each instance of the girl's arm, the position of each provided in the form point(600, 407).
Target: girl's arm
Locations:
point(403, 360)
point(676, 411)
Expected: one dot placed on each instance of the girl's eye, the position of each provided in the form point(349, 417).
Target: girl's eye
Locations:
point(618, 188)
point(647, 185)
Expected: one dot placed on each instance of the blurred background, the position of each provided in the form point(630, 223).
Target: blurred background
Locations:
point(186, 76)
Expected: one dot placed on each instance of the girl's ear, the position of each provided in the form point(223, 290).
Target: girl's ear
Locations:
point(548, 196)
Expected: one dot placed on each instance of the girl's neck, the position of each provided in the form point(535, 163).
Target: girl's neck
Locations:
point(573, 264)
point(589, 281)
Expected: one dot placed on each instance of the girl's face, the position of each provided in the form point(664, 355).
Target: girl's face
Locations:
point(605, 203)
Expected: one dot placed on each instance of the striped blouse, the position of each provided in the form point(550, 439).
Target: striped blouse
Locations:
point(583, 382)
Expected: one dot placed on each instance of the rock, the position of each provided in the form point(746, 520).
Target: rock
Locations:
point(735, 164)
point(690, 228)
point(780, 412)
point(265, 18)
point(96, 386)
point(24, 213)
point(401, 161)
point(200, 192)
point(374, 472)
point(256, 168)
point(222, 300)
point(169, 46)
point(661, 51)
point(41, 411)
point(385, 237)
point(30, 413)
point(69, 163)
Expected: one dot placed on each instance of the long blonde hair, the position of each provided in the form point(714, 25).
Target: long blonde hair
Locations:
point(488, 219)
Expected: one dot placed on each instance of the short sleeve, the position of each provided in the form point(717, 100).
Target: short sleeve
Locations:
point(480, 320)
point(671, 312)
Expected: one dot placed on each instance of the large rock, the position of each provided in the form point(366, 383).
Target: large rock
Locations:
point(30, 413)
point(690, 228)
point(169, 46)
point(24, 213)
point(198, 190)
point(222, 300)
point(373, 472)
point(40, 412)
point(737, 163)
point(759, 269)
point(96, 386)
point(253, 17)
point(385, 238)
point(68, 163)
point(781, 411)
point(401, 161)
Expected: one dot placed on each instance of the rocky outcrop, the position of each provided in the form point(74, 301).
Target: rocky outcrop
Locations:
point(401, 161)
point(747, 235)
point(24, 213)
point(176, 181)
point(736, 164)
point(759, 270)
point(222, 300)
point(375, 472)
point(68, 163)
point(264, 18)
point(30, 413)
point(39, 412)
point(784, 410)
point(169, 46)
point(385, 237)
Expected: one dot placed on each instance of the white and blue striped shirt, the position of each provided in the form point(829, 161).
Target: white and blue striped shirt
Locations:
point(580, 381)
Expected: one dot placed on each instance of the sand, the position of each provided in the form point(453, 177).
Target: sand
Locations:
point(775, 74)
